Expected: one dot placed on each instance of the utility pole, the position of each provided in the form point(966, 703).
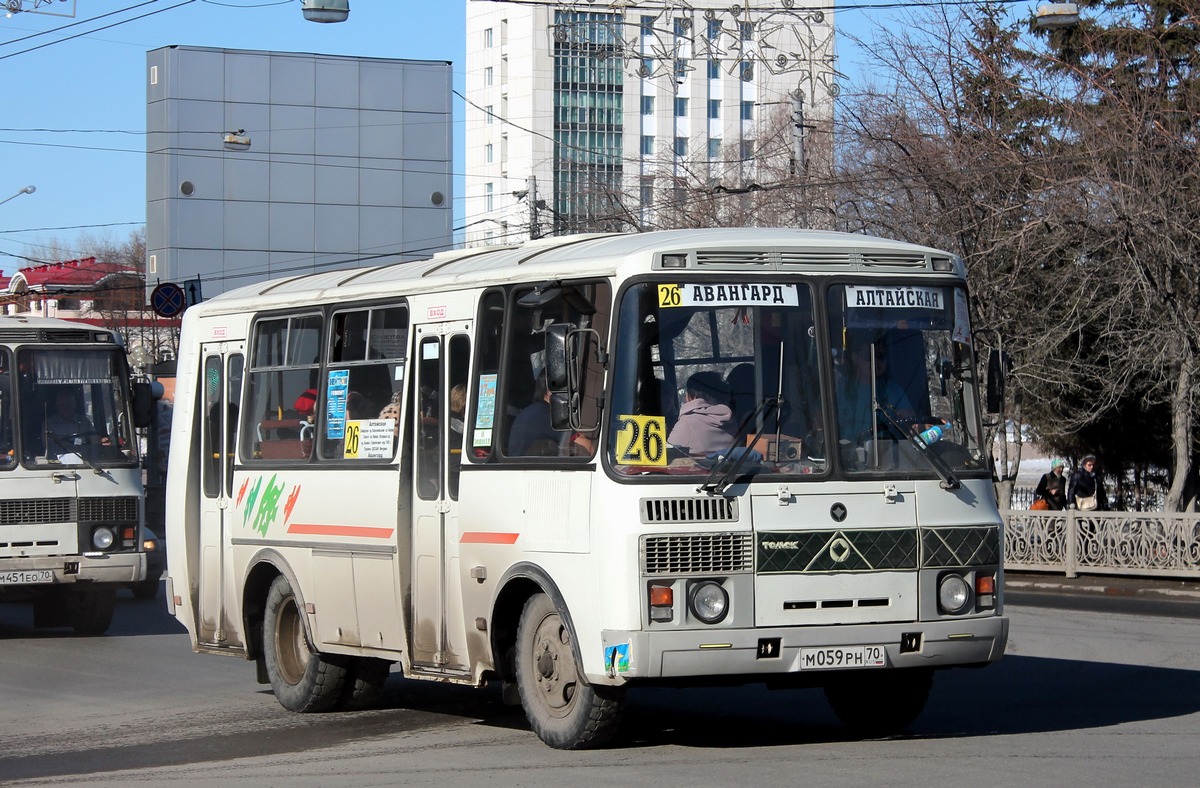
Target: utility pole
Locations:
point(797, 131)
point(535, 226)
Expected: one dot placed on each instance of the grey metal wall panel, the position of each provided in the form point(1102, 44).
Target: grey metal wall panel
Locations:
point(199, 74)
point(336, 146)
point(337, 84)
point(248, 79)
point(293, 80)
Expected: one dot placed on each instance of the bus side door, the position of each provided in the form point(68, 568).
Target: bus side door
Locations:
point(222, 382)
point(442, 359)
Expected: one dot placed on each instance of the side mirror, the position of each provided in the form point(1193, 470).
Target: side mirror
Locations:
point(558, 357)
point(560, 411)
point(998, 366)
point(143, 405)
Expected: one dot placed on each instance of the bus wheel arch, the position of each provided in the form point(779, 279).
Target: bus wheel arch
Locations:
point(518, 584)
point(541, 654)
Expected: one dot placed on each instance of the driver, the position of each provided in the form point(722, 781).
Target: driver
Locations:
point(65, 425)
point(855, 414)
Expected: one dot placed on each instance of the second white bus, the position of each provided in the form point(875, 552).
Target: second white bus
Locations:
point(589, 464)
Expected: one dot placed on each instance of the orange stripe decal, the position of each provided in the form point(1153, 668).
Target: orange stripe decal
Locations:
point(361, 531)
point(487, 537)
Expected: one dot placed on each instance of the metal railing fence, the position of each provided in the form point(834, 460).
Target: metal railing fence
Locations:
point(1146, 544)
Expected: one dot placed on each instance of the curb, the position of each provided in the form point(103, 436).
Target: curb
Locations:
point(1102, 589)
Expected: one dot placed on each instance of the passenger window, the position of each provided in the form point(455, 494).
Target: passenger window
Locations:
point(282, 383)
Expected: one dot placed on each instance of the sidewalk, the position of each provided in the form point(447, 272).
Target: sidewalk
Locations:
point(1104, 585)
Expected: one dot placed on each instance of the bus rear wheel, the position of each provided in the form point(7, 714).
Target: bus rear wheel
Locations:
point(564, 710)
point(365, 677)
point(302, 679)
point(880, 702)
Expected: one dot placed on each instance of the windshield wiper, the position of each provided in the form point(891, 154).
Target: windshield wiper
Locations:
point(69, 448)
point(730, 460)
point(949, 480)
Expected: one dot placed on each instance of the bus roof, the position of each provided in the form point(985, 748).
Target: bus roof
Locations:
point(730, 249)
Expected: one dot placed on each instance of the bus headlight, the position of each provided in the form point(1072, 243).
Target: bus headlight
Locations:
point(103, 537)
point(953, 594)
point(708, 601)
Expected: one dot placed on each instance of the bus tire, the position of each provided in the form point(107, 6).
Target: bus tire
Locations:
point(880, 703)
point(365, 677)
point(90, 608)
point(564, 710)
point(303, 680)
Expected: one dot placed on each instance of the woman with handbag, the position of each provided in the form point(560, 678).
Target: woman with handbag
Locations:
point(1052, 489)
point(1086, 492)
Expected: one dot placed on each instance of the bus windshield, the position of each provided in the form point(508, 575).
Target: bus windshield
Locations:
point(705, 371)
point(73, 407)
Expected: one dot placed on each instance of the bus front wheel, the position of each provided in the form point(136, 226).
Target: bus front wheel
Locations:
point(879, 702)
point(564, 710)
point(90, 608)
point(302, 679)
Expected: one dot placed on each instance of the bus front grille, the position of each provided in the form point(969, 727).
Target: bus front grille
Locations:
point(691, 554)
point(689, 510)
point(121, 509)
point(29, 511)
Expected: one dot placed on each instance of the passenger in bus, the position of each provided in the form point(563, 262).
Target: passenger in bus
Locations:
point(704, 424)
point(533, 434)
point(458, 407)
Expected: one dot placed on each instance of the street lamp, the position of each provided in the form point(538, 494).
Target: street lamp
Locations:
point(326, 10)
point(26, 190)
point(1050, 16)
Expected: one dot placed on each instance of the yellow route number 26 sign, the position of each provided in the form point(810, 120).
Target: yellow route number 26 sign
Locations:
point(642, 440)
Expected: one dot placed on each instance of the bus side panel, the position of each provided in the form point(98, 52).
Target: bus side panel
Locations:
point(183, 483)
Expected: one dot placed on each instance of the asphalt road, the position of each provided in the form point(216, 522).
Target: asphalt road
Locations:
point(1098, 696)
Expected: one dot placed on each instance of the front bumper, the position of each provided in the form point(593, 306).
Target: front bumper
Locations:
point(121, 568)
point(737, 652)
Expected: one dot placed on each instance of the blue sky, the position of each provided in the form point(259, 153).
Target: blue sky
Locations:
point(73, 112)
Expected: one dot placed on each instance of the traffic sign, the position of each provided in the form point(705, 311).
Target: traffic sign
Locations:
point(167, 300)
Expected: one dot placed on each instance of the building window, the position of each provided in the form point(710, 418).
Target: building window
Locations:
point(488, 76)
point(487, 153)
point(680, 107)
point(746, 150)
point(746, 30)
point(647, 191)
point(647, 145)
point(488, 197)
point(647, 66)
point(746, 71)
point(487, 111)
point(681, 146)
point(487, 38)
point(714, 108)
point(714, 69)
point(681, 68)
point(682, 26)
point(647, 105)
point(714, 29)
point(647, 26)
point(714, 147)
point(747, 110)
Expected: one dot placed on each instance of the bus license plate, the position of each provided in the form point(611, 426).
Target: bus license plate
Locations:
point(842, 657)
point(17, 577)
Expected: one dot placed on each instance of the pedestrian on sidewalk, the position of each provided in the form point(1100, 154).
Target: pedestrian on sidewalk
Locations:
point(1052, 488)
point(1086, 491)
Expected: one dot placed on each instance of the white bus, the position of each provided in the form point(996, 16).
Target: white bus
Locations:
point(473, 466)
point(71, 496)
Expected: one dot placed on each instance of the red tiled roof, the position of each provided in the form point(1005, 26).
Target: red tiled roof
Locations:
point(87, 272)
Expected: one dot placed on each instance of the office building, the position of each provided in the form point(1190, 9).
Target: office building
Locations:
point(598, 117)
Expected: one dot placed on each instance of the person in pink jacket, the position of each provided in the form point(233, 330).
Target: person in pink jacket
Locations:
point(704, 420)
